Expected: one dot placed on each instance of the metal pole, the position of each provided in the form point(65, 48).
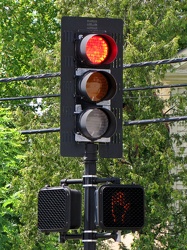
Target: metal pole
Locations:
point(89, 235)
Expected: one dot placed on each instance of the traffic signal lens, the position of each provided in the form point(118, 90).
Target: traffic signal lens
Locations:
point(97, 87)
point(97, 49)
point(94, 123)
point(97, 123)
point(123, 207)
point(120, 207)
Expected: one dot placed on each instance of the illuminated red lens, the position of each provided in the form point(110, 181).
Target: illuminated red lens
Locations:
point(97, 49)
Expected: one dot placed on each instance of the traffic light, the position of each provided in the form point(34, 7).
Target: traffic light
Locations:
point(120, 207)
point(59, 209)
point(91, 85)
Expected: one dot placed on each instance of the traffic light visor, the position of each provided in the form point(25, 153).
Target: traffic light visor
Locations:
point(98, 49)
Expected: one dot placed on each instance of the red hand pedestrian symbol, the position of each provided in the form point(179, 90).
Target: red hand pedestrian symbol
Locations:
point(119, 207)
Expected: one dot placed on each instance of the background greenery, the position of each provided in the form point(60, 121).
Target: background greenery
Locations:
point(30, 44)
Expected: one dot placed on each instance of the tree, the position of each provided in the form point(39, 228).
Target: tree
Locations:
point(11, 160)
point(150, 32)
point(26, 26)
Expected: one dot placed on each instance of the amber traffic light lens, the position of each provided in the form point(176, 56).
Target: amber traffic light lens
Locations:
point(97, 86)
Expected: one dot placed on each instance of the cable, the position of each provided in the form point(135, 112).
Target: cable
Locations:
point(156, 87)
point(125, 90)
point(125, 66)
point(126, 123)
point(156, 120)
point(153, 63)
point(31, 77)
point(40, 131)
point(28, 97)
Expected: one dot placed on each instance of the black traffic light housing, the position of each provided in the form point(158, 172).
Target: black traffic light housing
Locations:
point(120, 207)
point(59, 209)
point(86, 116)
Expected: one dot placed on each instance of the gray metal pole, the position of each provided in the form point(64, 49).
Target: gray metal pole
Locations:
point(90, 159)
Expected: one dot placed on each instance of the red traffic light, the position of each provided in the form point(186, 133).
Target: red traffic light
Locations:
point(96, 49)
point(91, 85)
point(120, 207)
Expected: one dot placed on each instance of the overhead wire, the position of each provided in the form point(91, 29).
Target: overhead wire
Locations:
point(28, 97)
point(31, 77)
point(126, 123)
point(155, 63)
point(125, 66)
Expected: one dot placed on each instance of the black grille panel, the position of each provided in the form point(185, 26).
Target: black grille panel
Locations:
point(52, 209)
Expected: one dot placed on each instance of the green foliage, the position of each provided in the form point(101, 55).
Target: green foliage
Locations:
point(26, 26)
point(11, 161)
point(30, 43)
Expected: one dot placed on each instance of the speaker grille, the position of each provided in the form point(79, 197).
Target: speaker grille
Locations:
point(52, 210)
